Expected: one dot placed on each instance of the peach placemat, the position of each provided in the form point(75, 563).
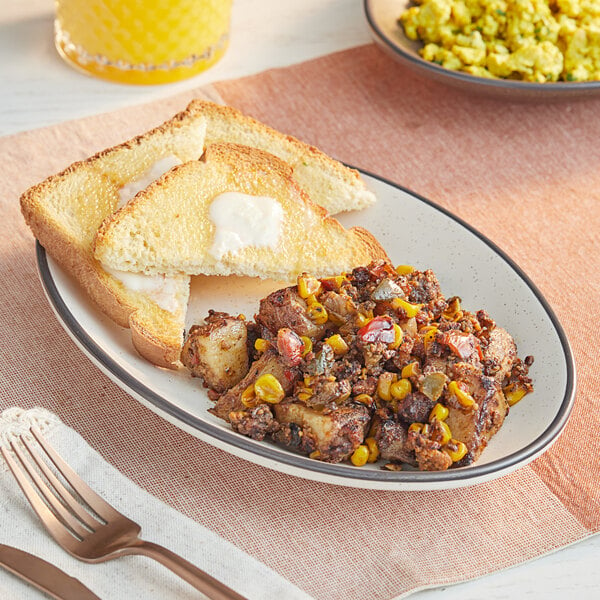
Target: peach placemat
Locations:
point(526, 175)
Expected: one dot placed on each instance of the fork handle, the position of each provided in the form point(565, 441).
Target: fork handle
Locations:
point(208, 585)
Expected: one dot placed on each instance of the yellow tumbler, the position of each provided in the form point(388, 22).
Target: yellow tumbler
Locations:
point(142, 41)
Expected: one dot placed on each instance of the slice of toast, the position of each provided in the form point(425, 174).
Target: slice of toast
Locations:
point(272, 230)
point(328, 182)
point(65, 211)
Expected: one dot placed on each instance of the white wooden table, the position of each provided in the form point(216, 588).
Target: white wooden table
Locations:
point(37, 89)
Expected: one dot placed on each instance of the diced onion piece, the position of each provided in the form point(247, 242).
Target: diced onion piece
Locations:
point(433, 385)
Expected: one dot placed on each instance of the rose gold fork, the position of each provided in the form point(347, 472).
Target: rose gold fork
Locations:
point(97, 537)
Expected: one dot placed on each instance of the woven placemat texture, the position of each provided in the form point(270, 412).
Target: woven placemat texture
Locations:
point(526, 175)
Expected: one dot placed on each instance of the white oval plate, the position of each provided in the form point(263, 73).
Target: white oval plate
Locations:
point(382, 16)
point(413, 231)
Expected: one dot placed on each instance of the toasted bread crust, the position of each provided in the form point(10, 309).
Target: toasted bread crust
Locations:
point(72, 249)
point(249, 159)
point(75, 258)
point(370, 244)
point(161, 352)
point(227, 124)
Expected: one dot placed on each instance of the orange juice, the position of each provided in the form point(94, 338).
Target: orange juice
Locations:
point(142, 41)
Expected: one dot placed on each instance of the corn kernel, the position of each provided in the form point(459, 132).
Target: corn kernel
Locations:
point(316, 455)
point(261, 344)
point(317, 313)
point(398, 336)
point(362, 320)
point(338, 344)
point(268, 389)
point(307, 285)
point(248, 397)
point(371, 444)
point(310, 299)
point(438, 413)
point(445, 435)
point(334, 283)
point(305, 395)
point(410, 370)
point(411, 310)
point(400, 389)
point(360, 456)
point(464, 399)
point(514, 393)
point(364, 399)
point(404, 269)
point(453, 312)
point(422, 428)
point(429, 337)
point(455, 450)
point(384, 383)
point(236, 415)
point(307, 345)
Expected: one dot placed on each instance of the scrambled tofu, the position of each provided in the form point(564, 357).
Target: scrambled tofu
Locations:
point(529, 40)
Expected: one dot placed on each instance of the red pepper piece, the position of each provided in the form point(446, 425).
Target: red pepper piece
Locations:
point(463, 345)
point(379, 329)
point(290, 346)
point(383, 269)
point(329, 284)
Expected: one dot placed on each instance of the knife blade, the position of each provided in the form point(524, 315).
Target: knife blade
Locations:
point(43, 575)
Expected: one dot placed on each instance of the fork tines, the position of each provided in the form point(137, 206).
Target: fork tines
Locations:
point(48, 496)
point(96, 532)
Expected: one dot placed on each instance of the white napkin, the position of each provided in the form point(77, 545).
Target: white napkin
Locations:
point(129, 577)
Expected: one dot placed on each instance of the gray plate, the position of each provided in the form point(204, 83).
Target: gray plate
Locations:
point(381, 17)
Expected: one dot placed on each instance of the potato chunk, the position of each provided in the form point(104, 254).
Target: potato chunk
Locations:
point(217, 351)
point(335, 435)
point(270, 362)
point(476, 425)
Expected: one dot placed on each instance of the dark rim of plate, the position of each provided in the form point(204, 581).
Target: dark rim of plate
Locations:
point(272, 453)
point(415, 60)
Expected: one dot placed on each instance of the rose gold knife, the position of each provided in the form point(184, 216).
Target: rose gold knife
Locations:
point(44, 576)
